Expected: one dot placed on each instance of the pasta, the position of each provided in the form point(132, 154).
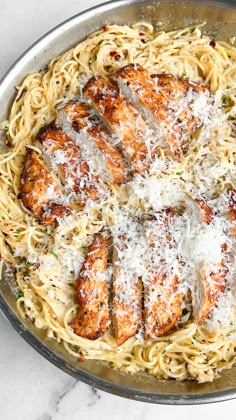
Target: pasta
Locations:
point(48, 259)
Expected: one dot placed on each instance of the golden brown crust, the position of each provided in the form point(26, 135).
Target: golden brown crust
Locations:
point(162, 301)
point(210, 284)
point(162, 314)
point(211, 278)
point(74, 170)
point(157, 98)
point(127, 304)
point(122, 117)
point(39, 191)
point(92, 292)
point(79, 113)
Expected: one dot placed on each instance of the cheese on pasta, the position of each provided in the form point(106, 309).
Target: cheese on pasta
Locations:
point(48, 260)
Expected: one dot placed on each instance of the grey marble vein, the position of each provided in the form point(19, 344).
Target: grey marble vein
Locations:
point(94, 397)
point(58, 399)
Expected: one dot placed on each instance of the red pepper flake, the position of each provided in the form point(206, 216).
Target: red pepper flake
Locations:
point(62, 73)
point(115, 55)
point(82, 357)
point(224, 247)
point(213, 43)
point(141, 33)
point(106, 28)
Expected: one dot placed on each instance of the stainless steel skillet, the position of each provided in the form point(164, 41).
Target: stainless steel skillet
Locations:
point(221, 24)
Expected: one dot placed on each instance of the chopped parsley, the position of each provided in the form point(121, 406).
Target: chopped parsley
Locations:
point(54, 254)
point(224, 101)
point(25, 273)
point(179, 173)
point(163, 351)
point(84, 246)
point(230, 333)
point(20, 294)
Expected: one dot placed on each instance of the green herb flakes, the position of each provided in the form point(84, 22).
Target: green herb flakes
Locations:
point(184, 312)
point(20, 294)
point(54, 254)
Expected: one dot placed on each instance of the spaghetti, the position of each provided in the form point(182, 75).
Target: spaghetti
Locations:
point(48, 259)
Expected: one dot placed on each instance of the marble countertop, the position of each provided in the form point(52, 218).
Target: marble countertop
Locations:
point(31, 388)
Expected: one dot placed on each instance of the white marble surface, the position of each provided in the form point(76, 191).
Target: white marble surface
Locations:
point(30, 387)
